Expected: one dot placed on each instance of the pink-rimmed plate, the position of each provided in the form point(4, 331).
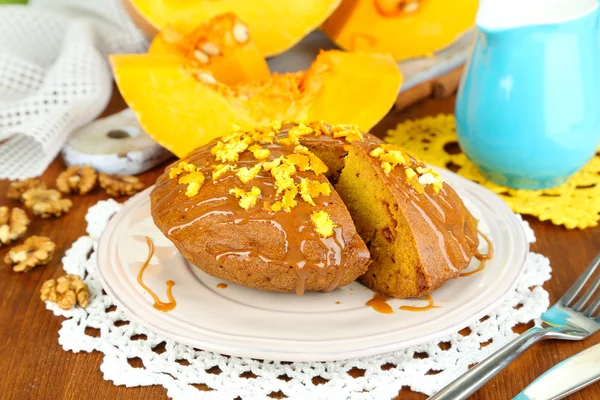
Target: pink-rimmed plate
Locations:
point(247, 322)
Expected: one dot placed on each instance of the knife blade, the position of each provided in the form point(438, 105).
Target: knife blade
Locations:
point(567, 377)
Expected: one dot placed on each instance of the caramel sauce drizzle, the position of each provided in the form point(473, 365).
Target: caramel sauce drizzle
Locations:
point(430, 305)
point(483, 258)
point(158, 304)
point(207, 211)
point(221, 285)
point(379, 304)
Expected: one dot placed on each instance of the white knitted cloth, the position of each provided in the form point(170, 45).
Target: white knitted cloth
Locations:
point(54, 75)
point(134, 356)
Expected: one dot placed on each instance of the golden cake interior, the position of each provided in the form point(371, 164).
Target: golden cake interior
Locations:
point(418, 231)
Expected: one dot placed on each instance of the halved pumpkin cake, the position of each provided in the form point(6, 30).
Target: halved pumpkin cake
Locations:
point(417, 229)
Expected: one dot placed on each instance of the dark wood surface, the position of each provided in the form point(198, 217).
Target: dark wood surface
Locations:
point(34, 366)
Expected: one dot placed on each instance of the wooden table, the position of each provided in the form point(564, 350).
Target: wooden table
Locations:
point(34, 366)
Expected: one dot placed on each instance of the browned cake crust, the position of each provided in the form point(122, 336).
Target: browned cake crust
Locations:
point(259, 247)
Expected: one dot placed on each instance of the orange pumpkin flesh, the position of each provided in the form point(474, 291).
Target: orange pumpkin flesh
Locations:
point(403, 28)
point(181, 111)
point(222, 46)
point(275, 24)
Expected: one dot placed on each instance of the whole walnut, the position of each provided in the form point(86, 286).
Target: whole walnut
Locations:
point(66, 291)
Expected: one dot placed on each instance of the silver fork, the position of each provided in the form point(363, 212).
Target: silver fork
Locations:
point(563, 320)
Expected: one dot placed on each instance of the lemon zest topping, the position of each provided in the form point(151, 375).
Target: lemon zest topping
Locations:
point(323, 223)
point(310, 189)
point(302, 161)
point(181, 168)
point(247, 174)
point(247, 199)
point(258, 152)
point(348, 132)
point(194, 181)
point(221, 169)
point(283, 175)
point(417, 175)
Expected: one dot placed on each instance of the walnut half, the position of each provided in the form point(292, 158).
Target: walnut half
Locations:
point(120, 185)
point(13, 224)
point(76, 179)
point(46, 203)
point(66, 291)
point(17, 188)
point(36, 250)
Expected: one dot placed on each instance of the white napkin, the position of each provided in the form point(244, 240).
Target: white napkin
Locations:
point(54, 75)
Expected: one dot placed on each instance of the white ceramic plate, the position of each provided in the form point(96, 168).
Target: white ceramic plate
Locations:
point(283, 326)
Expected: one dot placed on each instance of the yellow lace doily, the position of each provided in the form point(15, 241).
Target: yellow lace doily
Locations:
point(575, 204)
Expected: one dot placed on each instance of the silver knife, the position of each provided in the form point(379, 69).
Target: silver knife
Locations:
point(569, 376)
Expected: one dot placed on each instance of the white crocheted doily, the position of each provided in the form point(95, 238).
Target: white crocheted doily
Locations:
point(54, 74)
point(134, 356)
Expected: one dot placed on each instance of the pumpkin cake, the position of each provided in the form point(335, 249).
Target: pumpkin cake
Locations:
point(419, 232)
point(258, 207)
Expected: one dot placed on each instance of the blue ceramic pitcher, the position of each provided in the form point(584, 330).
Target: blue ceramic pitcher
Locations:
point(528, 107)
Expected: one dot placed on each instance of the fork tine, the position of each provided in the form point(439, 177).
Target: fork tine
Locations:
point(588, 294)
point(580, 282)
point(592, 308)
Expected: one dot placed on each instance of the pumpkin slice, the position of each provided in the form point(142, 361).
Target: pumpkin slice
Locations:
point(404, 28)
point(183, 109)
point(276, 25)
point(222, 46)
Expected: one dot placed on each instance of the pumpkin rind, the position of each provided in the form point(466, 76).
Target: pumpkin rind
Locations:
point(182, 113)
point(276, 25)
point(403, 28)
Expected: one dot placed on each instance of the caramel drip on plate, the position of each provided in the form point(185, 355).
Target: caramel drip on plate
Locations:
point(158, 304)
point(430, 305)
point(303, 248)
point(483, 258)
point(379, 304)
point(221, 285)
point(490, 253)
